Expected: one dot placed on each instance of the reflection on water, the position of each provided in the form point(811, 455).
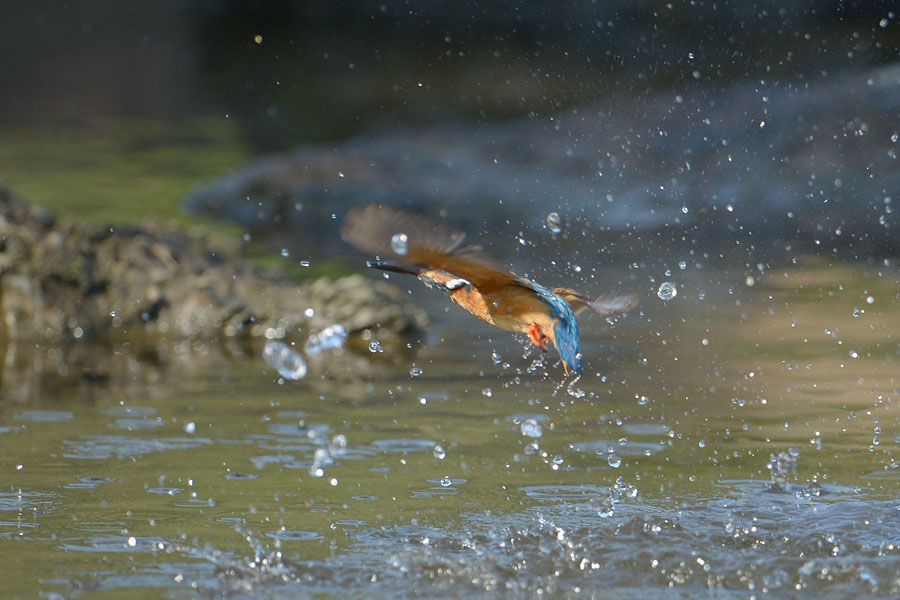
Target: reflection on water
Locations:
point(731, 439)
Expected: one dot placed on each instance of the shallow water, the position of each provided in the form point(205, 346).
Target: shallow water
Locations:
point(737, 440)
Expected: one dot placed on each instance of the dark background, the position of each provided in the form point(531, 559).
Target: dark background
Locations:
point(324, 69)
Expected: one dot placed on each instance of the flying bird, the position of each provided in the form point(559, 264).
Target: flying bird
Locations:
point(435, 254)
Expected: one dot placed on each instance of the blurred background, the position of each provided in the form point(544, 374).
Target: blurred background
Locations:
point(115, 112)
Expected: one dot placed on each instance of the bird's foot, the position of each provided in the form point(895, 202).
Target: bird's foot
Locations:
point(537, 337)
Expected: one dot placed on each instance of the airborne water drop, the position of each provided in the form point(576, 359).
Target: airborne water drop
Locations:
point(553, 222)
point(667, 290)
point(400, 243)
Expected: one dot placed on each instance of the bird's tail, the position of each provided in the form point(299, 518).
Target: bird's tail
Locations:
point(604, 305)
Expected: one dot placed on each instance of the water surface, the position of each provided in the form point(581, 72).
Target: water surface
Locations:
point(736, 440)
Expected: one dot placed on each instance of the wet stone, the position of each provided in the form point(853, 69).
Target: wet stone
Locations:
point(76, 290)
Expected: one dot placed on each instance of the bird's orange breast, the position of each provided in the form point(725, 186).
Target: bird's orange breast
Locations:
point(510, 307)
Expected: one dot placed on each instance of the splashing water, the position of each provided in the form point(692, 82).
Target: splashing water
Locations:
point(400, 243)
point(286, 360)
point(667, 290)
point(553, 222)
point(330, 338)
point(531, 428)
point(574, 391)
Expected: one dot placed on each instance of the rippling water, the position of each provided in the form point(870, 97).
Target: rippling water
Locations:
point(737, 440)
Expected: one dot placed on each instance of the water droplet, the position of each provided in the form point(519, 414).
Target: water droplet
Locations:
point(487, 392)
point(855, 313)
point(614, 461)
point(286, 360)
point(400, 243)
point(321, 458)
point(553, 222)
point(190, 427)
point(749, 281)
point(667, 290)
point(132, 541)
point(446, 481)
point(531, 428)
point(285, 252)
point(439, 452)
point(415, 371)
point(330, 338)
point(375, 347)
point(870, 300)
point(682, 264)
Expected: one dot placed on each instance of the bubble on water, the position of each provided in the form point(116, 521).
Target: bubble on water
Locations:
point(614, 461)
point(400, 243)
point(190, 427)
point(415, 371)
point(682, 264)
point(667, 290)
point(285, 252)
point(446, 481)
point(553, 222)
point(286, 360)
point(487, 392)
point(749, 281)
point(531, 428)
point(375, 347)
point(330, 338)
point(870, 300)
point(132, 542)
point(439, 452)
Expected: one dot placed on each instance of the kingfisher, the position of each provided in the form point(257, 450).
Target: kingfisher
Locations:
point(434, 253)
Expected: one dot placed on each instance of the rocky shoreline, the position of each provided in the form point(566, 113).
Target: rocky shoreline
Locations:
point(67, 286)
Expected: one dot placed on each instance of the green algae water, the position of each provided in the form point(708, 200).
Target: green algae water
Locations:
point(737, 439)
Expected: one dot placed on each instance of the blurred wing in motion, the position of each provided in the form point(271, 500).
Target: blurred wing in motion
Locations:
point(604, 305)
point(417, 240)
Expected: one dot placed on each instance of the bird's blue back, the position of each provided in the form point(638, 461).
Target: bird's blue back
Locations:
point(568, 342)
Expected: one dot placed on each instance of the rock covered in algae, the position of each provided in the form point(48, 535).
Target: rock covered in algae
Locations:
point(64, 283)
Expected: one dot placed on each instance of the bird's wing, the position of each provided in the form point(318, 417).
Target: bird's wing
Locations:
point(604, 305)
point(427, 243)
